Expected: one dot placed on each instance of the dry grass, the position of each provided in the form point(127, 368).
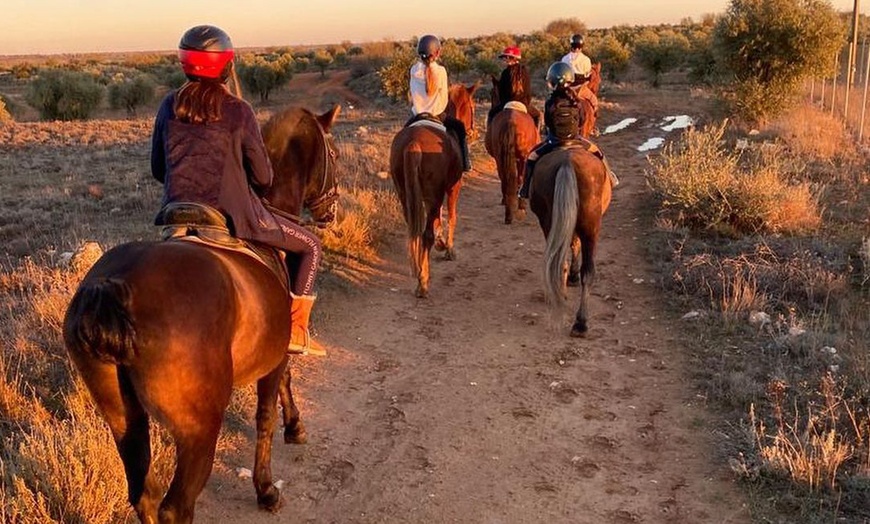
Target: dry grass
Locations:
point(807, 344)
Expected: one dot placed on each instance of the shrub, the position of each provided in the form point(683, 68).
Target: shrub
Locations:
point(706, 187)
point(395, 75)
point(64, 95)
point(659, 52)
point(322, 59)
point(131, 93)
point(5, 115)
point(612, 54)
point(563, 28)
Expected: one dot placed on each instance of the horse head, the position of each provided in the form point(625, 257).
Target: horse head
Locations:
point(461, 106)
point(303, 156)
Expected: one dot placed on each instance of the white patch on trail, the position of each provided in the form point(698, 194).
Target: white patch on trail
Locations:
point(653, 143)
point(677, 122)
point(619, 126)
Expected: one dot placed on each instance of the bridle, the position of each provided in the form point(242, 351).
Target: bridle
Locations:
point(325, 201)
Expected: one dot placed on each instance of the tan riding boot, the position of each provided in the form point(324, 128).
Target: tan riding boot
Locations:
point(300, 337)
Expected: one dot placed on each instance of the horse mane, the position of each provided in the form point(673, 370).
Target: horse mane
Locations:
point(594, 83)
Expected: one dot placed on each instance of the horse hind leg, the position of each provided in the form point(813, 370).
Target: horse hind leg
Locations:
point(194, 428)
point(587, 277)
point(425, 247)
point(294, 429)
point(268, 496)
point(574, 270)
point(452, 200)
point(129, 424)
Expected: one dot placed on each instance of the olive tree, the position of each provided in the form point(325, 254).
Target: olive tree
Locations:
point(262, 74)
point(766, 47)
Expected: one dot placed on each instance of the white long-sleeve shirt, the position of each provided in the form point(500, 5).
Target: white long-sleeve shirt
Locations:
point(421, 102)
point(581, 63)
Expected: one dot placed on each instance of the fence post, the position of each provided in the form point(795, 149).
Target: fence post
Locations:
point(864, 104)
point(834, 82)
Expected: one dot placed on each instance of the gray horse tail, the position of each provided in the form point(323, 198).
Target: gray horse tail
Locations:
point(563, 222)
point(98, 322)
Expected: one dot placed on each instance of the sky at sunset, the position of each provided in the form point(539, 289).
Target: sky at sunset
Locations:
point(78, 26)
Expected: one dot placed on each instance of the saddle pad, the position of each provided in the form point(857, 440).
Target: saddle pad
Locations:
point(429, 123)
point(516, 106)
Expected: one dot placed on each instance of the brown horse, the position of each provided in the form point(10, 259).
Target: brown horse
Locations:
point(165, 330)
point(589, 114)
point(569, 194)
point(510, 136)
point(426, 165)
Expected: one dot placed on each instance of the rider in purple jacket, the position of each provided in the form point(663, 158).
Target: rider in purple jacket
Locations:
point(207, 148)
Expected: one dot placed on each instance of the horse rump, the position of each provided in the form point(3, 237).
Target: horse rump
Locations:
point(98, 322)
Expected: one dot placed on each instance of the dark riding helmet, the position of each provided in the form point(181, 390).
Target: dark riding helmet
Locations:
point(428, 47)
point(206, 51)
point(576, 41)
point(560, 75)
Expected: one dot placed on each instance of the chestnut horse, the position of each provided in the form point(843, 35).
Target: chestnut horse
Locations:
point(165, 330)
point(426, 165)
point(569, 194)
point(589, 115)
point(510, 136)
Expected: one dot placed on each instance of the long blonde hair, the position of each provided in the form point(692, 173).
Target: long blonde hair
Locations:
point(431, 85)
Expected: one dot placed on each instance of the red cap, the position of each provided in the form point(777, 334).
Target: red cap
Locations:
point(206, 64)
point(511, 52)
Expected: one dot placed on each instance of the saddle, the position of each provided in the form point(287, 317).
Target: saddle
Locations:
point(516, 106)
point(201, 223)
point(426, 119)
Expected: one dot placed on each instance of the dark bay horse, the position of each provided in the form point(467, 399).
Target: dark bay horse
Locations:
point(510, 136)
point(569, 194)
point(165, 330)
point(426, 165)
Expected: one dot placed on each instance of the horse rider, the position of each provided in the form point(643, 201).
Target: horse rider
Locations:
point(562, 117)
point(514, 84)
point(206, 147)
point(582, 66)
point(430, 93)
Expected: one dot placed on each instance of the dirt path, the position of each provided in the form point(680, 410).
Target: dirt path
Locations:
point(472, 406)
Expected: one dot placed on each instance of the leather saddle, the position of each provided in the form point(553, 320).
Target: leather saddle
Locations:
point(201, 223)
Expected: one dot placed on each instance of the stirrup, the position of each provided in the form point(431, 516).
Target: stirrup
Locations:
point(305, 349)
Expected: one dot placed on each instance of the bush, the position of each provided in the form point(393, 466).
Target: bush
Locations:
point(64, 95)
point(395, 76)
point(704, 186)
point(659, 52)
point(612, 54)
point(131, 93)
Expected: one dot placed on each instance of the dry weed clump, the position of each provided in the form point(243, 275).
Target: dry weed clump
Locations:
point(810, 133)
point(706, 186)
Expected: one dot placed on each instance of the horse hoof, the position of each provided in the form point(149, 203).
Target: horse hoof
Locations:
point(450, 254)
point(579, 330)
point(270, 500)
point(295, 435)
point(508, 221)
point(573, 280)
point(422, 293)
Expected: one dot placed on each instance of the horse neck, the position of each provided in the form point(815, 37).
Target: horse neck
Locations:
point(295, 171)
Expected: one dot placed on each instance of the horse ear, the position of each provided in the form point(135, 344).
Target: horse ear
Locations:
point(328, 118)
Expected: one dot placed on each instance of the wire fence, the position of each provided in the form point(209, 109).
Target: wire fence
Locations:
point(845, 93)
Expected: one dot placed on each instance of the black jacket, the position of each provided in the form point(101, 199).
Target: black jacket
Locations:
point(515, 84)
point(221, 164)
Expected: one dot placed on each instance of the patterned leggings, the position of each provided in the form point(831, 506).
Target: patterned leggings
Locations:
point(306, 246)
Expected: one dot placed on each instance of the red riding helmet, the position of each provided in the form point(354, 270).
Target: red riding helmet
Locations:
point(205, 51)
point(511, 52)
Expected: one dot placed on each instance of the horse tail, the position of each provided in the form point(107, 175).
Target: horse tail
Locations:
point(415, 212)
point(563, 221)
point(507, 158)
point(98, 322)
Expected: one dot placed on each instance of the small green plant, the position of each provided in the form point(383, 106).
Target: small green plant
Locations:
point(64, 95)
